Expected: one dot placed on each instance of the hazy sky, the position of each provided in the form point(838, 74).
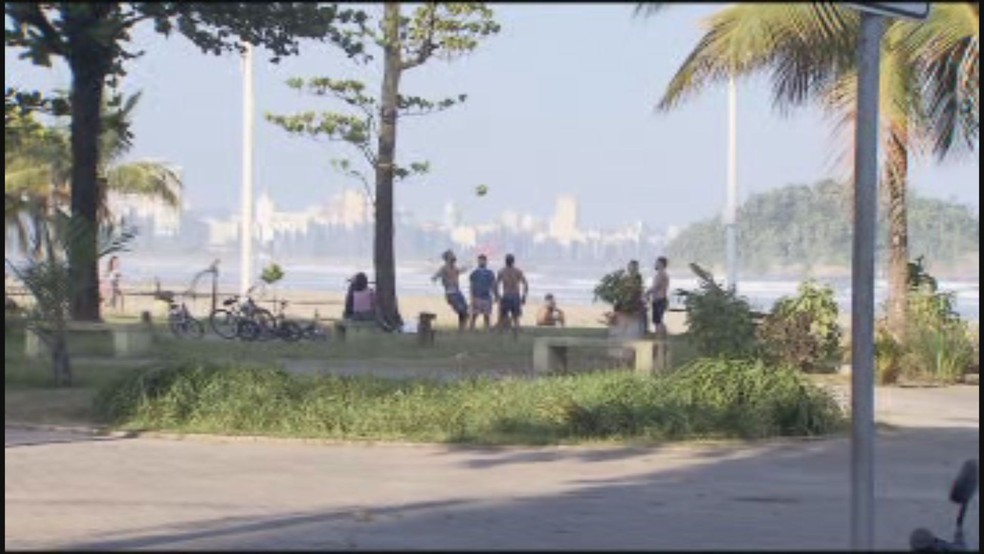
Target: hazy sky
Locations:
point(561, 101)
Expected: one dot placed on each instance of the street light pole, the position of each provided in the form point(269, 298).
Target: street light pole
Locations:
point(731, 205)
point(863, 285)
point(246, 229)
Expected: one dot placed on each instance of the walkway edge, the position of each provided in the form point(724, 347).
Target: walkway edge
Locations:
point(104, 431)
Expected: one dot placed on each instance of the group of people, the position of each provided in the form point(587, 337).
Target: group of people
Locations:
point(657, 295)
point(508, 288)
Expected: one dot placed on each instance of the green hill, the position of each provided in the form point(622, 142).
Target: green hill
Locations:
point(808, 228)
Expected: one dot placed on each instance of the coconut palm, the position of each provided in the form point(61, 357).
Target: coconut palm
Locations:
point(37, 169)
point(928, 88)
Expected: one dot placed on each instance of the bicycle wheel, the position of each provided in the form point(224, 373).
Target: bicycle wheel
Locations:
point(194, 328)
point(247, 330)
point(290, 331)
point(267, 324)
point(224, 323)
point(174, 324)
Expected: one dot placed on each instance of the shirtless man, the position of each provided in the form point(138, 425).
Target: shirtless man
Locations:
point(658, 294)
point(511, 300)
point(550, 315)
point(448, 274)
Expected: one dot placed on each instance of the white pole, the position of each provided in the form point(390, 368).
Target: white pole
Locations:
point(863, 285)
point(246, 229)
point(731, 206)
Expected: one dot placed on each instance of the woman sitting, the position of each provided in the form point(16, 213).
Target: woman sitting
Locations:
point(360, 302)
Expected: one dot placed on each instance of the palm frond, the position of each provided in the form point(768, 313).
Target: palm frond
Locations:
point(150, 179)
point(804, 46)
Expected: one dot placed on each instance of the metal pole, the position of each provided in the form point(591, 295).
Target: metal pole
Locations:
point(246, 229)
point(863, 285)
point(731, 207)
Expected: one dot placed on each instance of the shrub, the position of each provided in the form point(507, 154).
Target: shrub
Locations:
point(802, 331)
point(720, 323)
point(938, 345)
point(705, 399)
point(622, 293)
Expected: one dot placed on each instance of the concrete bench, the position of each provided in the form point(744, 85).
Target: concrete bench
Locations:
point(128, 340)
point(342, 327)
point(550, 353)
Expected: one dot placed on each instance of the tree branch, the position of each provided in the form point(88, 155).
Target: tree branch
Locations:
point(427, 48)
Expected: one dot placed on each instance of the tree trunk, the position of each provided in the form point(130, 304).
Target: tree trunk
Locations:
point(896, 177)
point(89, 62)
point(384, 256)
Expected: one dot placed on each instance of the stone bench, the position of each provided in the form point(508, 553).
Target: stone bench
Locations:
point(342, 327)
point(550, 353)
point(128, 340)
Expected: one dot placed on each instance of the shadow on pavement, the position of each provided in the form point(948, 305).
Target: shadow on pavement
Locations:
point(778, 496)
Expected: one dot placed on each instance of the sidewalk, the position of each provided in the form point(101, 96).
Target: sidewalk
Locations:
point(67, 490)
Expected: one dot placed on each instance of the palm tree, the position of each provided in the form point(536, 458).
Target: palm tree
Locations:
point(929, 86)
point(37, 172)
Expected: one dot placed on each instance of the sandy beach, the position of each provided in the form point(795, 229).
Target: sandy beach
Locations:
point(303, 304)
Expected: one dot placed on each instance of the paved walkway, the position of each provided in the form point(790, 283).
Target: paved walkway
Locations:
point(65, 491)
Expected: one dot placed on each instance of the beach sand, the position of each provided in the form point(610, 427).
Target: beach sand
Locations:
point(303, 304)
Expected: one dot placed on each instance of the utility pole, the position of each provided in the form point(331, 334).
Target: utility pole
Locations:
point(246, 229)
point(731, 204)
point(863, 286)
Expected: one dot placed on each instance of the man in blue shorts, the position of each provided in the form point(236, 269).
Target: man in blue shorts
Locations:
point(448, 274)
point(511, 300)
point(482, 280)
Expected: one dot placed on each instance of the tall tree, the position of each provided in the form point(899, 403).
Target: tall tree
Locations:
point(928, 87)
point(432, 31)
point(92, 38)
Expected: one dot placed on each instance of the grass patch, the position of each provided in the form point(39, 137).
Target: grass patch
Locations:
point(707, 399)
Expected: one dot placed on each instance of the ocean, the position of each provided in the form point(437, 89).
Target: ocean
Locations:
point(570, 285)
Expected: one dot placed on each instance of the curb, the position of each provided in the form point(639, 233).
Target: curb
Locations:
point(98, 431)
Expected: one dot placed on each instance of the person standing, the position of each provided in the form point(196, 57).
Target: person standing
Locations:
point(449, 274)
point(481, 282)
point(112, 293)
point(511, 299)
point(659, 295)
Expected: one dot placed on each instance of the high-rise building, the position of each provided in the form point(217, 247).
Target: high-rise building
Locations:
point(564, 225)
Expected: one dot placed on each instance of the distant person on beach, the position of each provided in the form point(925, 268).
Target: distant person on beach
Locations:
point(550, 315)
point(511, 300)
point(111, 292)
point(449, 274)
point(659, 295)
point(481, 281)
point(360, 302)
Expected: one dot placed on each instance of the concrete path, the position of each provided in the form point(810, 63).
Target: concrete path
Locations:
point(65, 491)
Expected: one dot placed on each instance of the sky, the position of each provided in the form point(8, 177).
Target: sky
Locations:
point(559, 102)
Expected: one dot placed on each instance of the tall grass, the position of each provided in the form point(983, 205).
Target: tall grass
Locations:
point(705, 399)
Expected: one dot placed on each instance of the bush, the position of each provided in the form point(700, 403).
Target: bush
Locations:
point(622, 293)
point(720, 323)
point(802, 331)
point(705, 399)
point(938, 345)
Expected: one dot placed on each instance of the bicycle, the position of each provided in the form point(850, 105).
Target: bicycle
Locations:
point(181, 323)
point(238, 319)
point(280, 326)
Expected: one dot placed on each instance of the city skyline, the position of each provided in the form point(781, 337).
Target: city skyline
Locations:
point(547, 113)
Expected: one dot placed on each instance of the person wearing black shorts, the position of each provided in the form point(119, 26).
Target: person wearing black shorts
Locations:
point(659, 295)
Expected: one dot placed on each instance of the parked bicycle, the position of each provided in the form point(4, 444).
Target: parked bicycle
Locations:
point(279, 326)
point(181, 323)
point(240, 318)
